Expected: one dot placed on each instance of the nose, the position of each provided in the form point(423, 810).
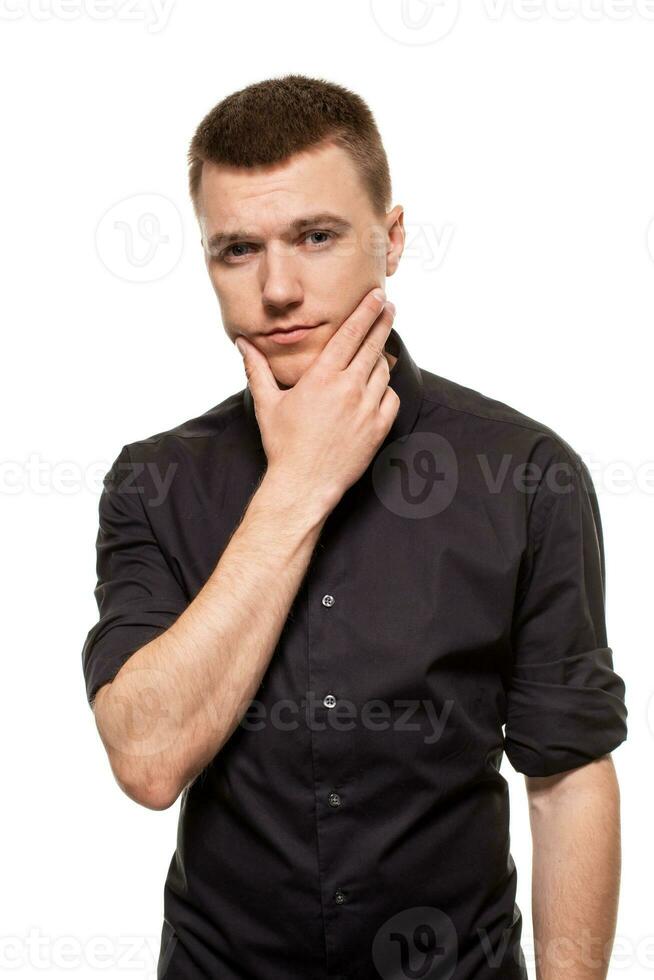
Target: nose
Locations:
point(281, 282)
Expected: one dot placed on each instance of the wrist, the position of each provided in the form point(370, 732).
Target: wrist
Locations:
point(281, 490)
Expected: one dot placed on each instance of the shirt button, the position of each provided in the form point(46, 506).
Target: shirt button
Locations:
point(329, 701)
point(334, 799)
point(339, 896)
point(328, 600)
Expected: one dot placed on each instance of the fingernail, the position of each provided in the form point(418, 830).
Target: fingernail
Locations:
point(379, 294)
point(240, 343)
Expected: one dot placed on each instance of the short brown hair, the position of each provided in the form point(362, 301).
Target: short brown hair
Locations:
point(269, 121)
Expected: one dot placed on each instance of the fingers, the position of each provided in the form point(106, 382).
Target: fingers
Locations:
point(260, 378)
point(378, 381)
point(389, 407)
point(373, 343)
point(383, 398)
point(344, 344)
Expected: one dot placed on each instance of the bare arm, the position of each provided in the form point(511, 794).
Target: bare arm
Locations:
point(575, 825)
point(175, 701)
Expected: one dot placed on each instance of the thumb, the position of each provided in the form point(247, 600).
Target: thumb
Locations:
point(257, 369)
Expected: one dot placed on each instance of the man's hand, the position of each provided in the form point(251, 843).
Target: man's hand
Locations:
point(321, 434)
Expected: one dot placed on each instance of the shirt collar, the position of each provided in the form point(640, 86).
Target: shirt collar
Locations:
point(405, 379)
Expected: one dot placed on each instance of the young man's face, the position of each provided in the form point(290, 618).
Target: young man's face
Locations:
point(273, 276)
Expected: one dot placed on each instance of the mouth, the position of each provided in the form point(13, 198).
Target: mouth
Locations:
point(290, 335)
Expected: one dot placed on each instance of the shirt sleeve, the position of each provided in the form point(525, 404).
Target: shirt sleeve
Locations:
point(565, 703)
point(137, 594)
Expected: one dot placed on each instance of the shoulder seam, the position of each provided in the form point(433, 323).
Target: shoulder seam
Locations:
point(154, 439)
point(543, 429)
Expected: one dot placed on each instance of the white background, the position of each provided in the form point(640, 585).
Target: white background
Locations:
point(521, 146)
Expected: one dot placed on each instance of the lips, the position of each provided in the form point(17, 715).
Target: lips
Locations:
point(295, 326)
point(289, 335)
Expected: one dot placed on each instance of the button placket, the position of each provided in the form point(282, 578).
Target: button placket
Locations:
point(331, 745)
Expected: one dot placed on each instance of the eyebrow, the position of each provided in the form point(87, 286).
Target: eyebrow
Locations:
point(221, 238)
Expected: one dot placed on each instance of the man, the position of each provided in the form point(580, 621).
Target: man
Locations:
point(321, 600)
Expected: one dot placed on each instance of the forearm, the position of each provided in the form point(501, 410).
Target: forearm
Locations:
point(177, 700)
point(576, 875)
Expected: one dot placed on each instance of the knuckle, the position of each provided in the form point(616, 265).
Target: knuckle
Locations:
point(372, 304)
point(319, 375)
point(351, 329)
point(376, 348)
point(353, 392)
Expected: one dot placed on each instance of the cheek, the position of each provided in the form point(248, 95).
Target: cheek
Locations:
point(214, 278)
point(349, 269)
point(232, 299)
point(348, 292)
point(339, 272)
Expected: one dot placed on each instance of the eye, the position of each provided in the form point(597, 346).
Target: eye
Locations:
point(228, 253)
point(318, 232)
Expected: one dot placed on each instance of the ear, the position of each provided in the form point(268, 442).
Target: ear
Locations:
point(396, 238)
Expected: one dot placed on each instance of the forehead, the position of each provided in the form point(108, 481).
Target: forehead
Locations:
point(322, 178)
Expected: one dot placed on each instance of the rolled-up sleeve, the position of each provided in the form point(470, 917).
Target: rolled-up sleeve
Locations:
point(138, 596)
point(565, 702)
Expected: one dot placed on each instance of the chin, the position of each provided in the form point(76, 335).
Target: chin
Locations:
point(288, 368)
point(288, 374)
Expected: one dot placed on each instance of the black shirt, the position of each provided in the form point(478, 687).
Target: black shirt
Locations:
point(356, 825)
